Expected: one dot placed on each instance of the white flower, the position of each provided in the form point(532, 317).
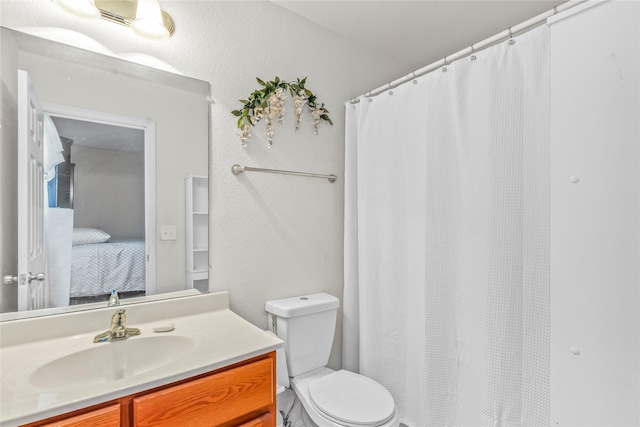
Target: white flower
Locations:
point(269, 132)
point(276, 105)
point(315, 115)
point(298, 101)
point(257, 115)
point(244, 135)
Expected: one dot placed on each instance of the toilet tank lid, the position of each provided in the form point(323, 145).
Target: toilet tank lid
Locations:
point(302, 305)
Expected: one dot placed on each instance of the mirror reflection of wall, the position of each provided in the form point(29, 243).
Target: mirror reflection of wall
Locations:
point(108, 176)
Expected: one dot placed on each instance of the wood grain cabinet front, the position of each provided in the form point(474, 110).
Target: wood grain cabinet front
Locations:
point(104, 417)
point(266, 420)
point(211, 401)
point(241, 395)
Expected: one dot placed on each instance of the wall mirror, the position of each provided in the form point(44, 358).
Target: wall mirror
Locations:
point(121, 189)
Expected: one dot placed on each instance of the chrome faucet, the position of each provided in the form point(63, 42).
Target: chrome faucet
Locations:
point(113, 299)
point(118, 329)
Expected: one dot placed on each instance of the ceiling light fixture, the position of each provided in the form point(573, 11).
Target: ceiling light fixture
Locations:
point(145, 17)
point(82, 8)
point(148, 21)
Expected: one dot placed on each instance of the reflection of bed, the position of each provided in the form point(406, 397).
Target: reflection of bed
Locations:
point(99, 268)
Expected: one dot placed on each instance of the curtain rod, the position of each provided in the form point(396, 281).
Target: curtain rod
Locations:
point(504, 35)
point(237, 169)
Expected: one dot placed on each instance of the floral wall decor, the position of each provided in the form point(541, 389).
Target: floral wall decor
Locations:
point(268, 103)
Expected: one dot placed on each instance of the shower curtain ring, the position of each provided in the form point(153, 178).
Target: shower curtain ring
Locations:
point(473, 53)
point(511, 40)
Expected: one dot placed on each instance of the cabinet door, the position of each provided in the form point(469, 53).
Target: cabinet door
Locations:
point(265, 420)
point(210, 401)
point(105, 417)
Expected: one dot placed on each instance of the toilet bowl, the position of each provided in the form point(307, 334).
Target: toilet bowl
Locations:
point(342, 398)
point(329, 398)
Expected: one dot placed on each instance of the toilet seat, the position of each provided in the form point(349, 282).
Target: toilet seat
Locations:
point(351, 400)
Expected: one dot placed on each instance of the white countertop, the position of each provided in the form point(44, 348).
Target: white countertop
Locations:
point(222, 338)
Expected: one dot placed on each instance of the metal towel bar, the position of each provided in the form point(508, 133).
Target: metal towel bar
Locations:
point(237, 169)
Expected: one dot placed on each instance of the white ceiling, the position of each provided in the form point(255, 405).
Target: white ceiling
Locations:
point(98, 135)
point(419, 32)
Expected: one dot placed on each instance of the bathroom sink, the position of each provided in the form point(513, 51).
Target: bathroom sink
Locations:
point(111, 361)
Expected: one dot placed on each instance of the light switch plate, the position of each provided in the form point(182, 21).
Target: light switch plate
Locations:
point(168, 232)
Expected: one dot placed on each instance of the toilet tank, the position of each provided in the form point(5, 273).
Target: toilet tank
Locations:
point(306, 324)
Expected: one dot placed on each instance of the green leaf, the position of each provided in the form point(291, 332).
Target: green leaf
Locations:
point(260, 81)
point(240, 122)
point(236, 113)
point(329, 120)
point(244, 101)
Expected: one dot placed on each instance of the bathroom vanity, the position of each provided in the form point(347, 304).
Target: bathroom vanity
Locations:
point(213, 369)
point(238, 395)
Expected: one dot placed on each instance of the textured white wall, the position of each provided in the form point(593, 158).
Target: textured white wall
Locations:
point(595, 218)
point(271, 236)
point(275, 236)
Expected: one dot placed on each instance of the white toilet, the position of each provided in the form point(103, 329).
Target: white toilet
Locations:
point(330, 398)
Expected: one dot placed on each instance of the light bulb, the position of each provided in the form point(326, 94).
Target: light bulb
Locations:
point(148, 22)
point(83, 8)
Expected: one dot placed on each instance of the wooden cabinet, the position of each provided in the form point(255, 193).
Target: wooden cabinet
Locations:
point(105, 417)
point(263, 421)
point(239, 395)
point(213, 400)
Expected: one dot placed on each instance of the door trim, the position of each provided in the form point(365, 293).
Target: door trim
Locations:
point(149, 128)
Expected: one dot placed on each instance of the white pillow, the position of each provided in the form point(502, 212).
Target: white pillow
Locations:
point(86, 235)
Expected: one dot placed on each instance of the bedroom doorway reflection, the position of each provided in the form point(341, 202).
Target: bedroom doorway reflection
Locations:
point(99, 227)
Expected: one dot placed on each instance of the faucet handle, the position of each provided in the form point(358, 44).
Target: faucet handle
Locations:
point(119, 318)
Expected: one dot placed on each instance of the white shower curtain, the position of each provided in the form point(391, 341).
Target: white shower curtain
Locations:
point(446, 299)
